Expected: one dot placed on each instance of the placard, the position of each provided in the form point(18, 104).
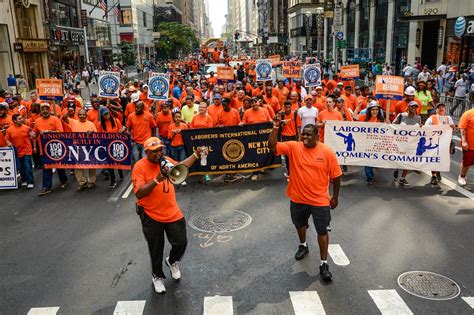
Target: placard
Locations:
point(264, 70)
point(349, 72)
point(109, 84)
point(8, 179)
point(291, 69)
point(389, 87)
point(276, 60)
point(158, 86)
point(311, 76)
point(225, 73)
point(49, 87)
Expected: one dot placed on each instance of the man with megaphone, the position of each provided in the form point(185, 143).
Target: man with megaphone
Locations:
point(153, 177)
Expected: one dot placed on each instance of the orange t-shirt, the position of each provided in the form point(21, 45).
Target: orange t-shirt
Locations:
point(351, 101)
point(176, 139)
point(93, 115)
point(140, 126)
point(346, 115)
point(20, 138)
point(313, 168)
point(230, 118)
point(214, 111)
point(362, 118)
point(202, 121)
point(467, 122)
point(274, 102)
point(4, 124)
point(252, 116)
point(130, 108)
point(363, 100)
point(327, 115)
point(160, 204)
point(108, 126)
point(52, 123)
point(283, 95)
point(163, 123)
point(236, 103)
point(257, 91)
point(78, 126)
point(289, 129)
point(212, 80)
point(401, 107)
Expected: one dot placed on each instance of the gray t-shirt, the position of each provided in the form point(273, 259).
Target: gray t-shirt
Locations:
point(404, 119)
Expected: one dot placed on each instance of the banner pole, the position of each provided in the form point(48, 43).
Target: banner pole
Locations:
point(387, 113)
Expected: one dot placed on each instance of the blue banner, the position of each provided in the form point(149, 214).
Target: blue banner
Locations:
point(82, 150)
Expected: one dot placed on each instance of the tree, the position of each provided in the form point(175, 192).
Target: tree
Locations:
point(175, 38)
point(127, 55)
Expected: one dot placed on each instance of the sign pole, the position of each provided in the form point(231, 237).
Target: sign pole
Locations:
point(387, 113)
point(86, 48)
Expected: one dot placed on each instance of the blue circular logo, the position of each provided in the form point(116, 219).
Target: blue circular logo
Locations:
point(158, 86)
point(312, 75)
point(109, 84)
point(460, 26)
point(264, 70)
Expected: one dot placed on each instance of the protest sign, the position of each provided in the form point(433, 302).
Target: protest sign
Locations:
point(158, 86)
point(8, 179)
point(390, 146)
point(389, 87)
point(275, 59)
point(233, 149)
point(264, 70)
point(225, 73)
point(350, 72)
point(291, 69)
point(82, 150)
point(311, 76)
point(109, 84)
point(49, 87)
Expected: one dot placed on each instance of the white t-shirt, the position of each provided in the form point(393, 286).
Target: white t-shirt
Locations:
point(85, 73)
point(424, 76)
point(461, 88)
point(443, 120)
point(307, 115)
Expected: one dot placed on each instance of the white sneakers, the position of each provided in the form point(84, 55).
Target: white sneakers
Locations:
point(462, 181)
point(159, 284)
point(30, 186)
point(174, 269)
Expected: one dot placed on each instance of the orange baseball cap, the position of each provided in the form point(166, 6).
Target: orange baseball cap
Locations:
point(153, 143)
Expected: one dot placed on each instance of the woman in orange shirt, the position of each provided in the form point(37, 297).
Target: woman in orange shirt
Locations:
point(202, 119)
point(174, 133)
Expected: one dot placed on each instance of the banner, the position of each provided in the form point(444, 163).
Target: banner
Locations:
point(82, 150)
point(311, 76)
point(291, 69)
point(158, 86)
point(390, 146)
point(264, 70)
point(225, 73)
point(233, 149)
point(389, 87)
point(350, 72)
point(109, 84)
point(8, 179)
point(49, 87)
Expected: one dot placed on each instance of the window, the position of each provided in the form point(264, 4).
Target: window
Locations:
point(92, 2)
point(144, 19)
point(5, 55)
point(26, 21)
point(63, 15)
point(127, 17)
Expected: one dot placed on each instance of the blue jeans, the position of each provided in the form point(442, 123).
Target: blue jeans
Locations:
point(178, 153)
point(369, 172)
point(26, 169)
point(137, 152)
point(48, 177)
point(167, 149)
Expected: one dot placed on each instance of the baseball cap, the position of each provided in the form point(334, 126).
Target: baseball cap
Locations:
point(45, 105)
point(340, 100)
point(413, 103)
point(71, 105)
point(153, 143)
point(168, 102)
point(319, 87)
point(340, 83)
point(144, 86)
point(3, 105)
point(134, 97)
point(373, 104)
point(347, 87)
point(308, 97)
point(217, 96)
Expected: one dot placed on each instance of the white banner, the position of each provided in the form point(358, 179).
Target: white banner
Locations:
point(158, 86)
point(8, 179)
point(311, 75)
point(390, 146)
point(109, 84)
point(263, 69)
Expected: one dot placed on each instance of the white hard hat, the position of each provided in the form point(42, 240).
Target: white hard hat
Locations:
point(134, 97)
point(410, 90)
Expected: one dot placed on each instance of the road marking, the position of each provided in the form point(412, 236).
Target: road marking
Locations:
point(127, 192)
point(469, 300)
point(218, 305)
point(43, 310)
point(454, 186)
point(338, 255)
point(129, 307)
point(389, 302)
point(120, 192)
point(306, 302)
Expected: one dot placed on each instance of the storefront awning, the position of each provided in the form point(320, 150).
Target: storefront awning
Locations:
point(414, 18)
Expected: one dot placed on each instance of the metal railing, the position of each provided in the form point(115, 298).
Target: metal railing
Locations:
point(455, 106)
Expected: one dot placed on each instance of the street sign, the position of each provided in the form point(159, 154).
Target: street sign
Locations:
point(339, 35)
point(341, 44)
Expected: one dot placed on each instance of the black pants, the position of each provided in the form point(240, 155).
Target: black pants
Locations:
point(154, 232)
point(111, 172)
point(287, 159)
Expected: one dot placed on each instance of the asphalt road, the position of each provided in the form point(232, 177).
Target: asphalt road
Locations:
point(84, 253)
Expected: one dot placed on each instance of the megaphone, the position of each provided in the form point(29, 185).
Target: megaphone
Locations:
point(175, 173)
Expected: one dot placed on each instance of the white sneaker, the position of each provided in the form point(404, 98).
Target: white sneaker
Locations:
point(183, 184)
point(159, 284)
point(462, 181)
point(30, 186)
point(174, 269)
point(24, 184)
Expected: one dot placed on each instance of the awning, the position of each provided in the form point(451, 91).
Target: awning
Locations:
point(414, 18)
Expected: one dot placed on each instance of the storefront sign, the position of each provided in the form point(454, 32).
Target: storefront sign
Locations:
point(389, 145)
point(158, 86)
point(109, 84)
point(389, 87)
point(225, 73)
point(49, 87)
point(35, 45)
point(84, 18)
point(264, 70)
point(8, 179)
point(65, 36)
point(18, 47)
point(47, 10)
point(463, 27)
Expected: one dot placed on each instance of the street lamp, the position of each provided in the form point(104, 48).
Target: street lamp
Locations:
point(308, 34)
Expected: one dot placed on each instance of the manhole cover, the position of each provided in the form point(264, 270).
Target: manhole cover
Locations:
point(220, 221)
point(428, 285)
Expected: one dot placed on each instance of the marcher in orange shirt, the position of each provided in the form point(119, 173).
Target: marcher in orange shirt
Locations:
point(319, 100)
point(255, 114)
point(19, 136)
point(290, 129)
point(163, 121)
point(71, 111)
point(271, 100)
point(466, 127)
point(283, 93)
point(159, 212)
point(202, 119)
point(48, 123)
point(330, 113)
point(93, 113)
point(314, 165)
point(237, 102)
point(228, 116)
point(216, 107)
point(212, 79)
point(174, 134)
point(5, 123)
point(141, 126)
point(349, 98)
point(402, 106)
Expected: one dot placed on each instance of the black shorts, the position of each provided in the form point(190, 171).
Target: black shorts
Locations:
point(300, 214)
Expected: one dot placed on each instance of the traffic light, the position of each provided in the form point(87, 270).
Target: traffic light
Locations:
point(236, 35)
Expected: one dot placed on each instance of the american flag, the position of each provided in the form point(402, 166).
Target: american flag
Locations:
point(103, 5)
point(118, 13)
